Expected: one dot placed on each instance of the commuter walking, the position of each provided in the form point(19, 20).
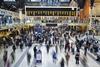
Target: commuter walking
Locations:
point(85, 49)
point(35, 50)
point(12, 56)
point(72, 48)
point(14, 48)
point(67, 46)
point(21, 46)
point(77, 56)
point(54, 56)
point(8, 64)
point(47, 46)
point(67, 58)
point(56, 47)
point(62, 63)
point(28, 57)
point(5, 57)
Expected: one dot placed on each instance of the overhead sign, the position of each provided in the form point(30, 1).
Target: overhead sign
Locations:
point(50, 11)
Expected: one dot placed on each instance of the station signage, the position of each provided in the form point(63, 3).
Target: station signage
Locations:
point(50, 12)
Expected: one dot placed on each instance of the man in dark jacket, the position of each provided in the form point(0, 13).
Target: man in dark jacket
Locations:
point(14, 48)
point(62, 63)
point(35, 50)
point(77, 58)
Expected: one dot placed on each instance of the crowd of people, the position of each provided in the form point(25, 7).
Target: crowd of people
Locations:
point(52, 37)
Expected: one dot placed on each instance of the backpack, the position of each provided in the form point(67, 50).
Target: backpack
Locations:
point(76, 56)
point(54, 55)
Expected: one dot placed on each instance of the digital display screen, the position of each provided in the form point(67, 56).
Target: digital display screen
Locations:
point(51, 11)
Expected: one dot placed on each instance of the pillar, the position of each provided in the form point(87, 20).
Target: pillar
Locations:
point(20, 15)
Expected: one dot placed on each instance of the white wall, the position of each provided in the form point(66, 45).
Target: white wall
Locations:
point(96, 9)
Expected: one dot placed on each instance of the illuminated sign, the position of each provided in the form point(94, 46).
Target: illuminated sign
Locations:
point(50, 12)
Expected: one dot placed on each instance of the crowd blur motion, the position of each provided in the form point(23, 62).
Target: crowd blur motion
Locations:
point(57, 37)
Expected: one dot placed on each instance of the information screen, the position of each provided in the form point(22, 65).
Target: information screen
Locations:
point(51, 12)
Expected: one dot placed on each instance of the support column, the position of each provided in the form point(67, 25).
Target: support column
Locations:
point(20, 15)
point(90, 23)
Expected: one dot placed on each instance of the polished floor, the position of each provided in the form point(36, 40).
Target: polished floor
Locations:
point(47, 61)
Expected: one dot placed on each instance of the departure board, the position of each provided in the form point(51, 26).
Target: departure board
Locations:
point(50, 12)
